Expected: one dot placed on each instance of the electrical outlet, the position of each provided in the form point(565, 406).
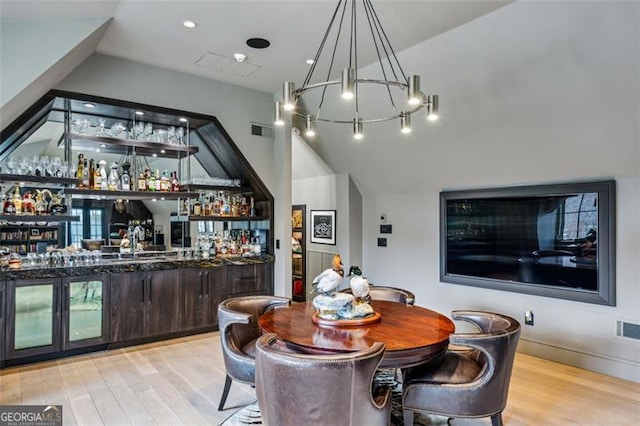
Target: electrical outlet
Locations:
point(528, 317)
point(382, 242)
point(385, 229)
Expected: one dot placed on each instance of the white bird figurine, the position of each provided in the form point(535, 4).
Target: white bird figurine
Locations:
point(359, 285)
point(331, 278)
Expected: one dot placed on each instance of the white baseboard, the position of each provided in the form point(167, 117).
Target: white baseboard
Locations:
point(616, 367)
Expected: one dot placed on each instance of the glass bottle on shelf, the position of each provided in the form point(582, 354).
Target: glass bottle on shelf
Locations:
point(197, 208)
point(85, 175)
point(142, 183)
point(114, 179)
point(152, 182)
point(17, 201)
point(126, 177)
point(97, 178)
point(235, 207)
point(217, 205)
point(175, 184)
point(225, 209)
point(92, 176)
point(103, 175)
point(80, 169)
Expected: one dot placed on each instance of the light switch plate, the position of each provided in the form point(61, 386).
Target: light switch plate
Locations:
point(382, 242)
point(385, 229)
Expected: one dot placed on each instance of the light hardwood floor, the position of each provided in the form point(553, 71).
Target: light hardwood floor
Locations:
point(180, 381)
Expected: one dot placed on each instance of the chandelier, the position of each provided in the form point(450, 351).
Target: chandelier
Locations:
point(307, 101)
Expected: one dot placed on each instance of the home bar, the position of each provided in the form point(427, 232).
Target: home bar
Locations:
point(67, 288)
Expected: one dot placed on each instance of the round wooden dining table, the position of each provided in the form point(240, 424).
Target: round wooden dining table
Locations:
point(412, 334)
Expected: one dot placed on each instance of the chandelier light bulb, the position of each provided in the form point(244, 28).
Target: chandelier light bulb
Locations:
point(413, 90)
point(348, 83)
point(432, 108)
point(357, 129)
point(288, 100)
point(277, 114)
point(311, 126)
point(405, 122)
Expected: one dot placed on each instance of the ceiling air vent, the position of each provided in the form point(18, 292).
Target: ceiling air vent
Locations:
point(214, 62)
point(262, 130)
point(628, 329)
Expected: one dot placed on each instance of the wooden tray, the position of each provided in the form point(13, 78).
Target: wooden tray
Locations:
point(373, 318)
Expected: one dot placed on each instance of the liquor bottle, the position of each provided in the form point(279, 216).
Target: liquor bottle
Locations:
point(217, 205)
point(80, 170)
point(152, 182)
point(142, 183)
point(175, 184)
point(114, 179)
point(165, 181)
point(85, 175)
point(17, 200)
point(235, 207)
point(147, 178)
point(225, 209)
point(92, 172)
point(97, 178)
point(103, 175)
point(125, 179)
point(197, 208)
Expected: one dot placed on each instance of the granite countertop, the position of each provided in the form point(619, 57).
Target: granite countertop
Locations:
point(105, 267)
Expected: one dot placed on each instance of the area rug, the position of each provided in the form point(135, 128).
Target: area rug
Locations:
point(250, 414)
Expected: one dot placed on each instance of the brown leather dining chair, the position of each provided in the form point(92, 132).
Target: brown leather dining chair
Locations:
point(392, 294)
point(238, 325)
point(469, 383)
point(307, 389)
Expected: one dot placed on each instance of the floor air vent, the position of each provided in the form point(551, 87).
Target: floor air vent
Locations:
point(628, 330)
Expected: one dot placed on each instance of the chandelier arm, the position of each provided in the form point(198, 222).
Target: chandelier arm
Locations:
point(393, 53)
point(321, 47)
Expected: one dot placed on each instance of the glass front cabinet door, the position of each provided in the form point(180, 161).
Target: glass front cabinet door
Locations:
point(85, 314)
point(33, 317)
point(49, 315)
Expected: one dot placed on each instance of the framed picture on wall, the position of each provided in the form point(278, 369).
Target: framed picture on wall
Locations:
point(323, 226)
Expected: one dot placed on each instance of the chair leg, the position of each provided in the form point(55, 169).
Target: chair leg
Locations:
point(407, 417)
point(496, 419)
point(225, 392)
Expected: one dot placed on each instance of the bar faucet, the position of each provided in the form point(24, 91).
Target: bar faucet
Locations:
point(135, 235)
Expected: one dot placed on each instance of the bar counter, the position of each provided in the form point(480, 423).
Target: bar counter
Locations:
point(56, 311)
point(139, 264)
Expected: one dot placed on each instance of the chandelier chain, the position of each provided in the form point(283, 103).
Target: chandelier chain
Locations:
point(333, 54)
point(376, 24)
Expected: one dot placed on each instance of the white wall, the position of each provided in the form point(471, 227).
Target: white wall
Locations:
point(564, 111)
point(34, 56)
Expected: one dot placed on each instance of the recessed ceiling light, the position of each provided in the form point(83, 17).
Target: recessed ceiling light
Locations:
point(258, 43)
point(189, 24)
point(139, 113)
point(310, 61)
point(89, 105)
point(240, 57)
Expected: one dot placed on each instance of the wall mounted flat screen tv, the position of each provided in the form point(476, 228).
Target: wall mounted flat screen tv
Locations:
point(549, 240)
